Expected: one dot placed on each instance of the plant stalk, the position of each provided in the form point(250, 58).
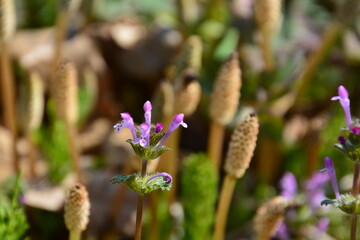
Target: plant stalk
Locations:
point(215, 144)
point(8, 98)
point(75, 235)
point(355, 192)
point(227, 191)
point(74, 150)
point(140, 205)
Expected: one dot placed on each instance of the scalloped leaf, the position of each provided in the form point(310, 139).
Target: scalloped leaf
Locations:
point(138, 184)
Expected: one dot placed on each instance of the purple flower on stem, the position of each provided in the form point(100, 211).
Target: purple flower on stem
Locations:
point(345, 103)
point(146, 140)
point(127, 122)
point(314, 189)
point(167, 177)
point(329, 168)
point(288, 186)
point(177, 121)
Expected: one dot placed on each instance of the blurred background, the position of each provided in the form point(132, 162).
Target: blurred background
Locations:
point(121, 53)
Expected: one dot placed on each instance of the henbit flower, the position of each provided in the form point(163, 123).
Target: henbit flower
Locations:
point(282, 232)
point(345, 103)
point(342, 140)
point(314, 189)
point(322, 227)
point(356, 130)
point(329, 168)
point(127, 122)
point(158, 128)
point(177, 121)
point(167, 177)
point(143, 140)
point(288, 186)
point(147, 110)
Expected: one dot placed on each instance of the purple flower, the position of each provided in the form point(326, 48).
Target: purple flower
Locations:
point(342, 140)
point(177, 121)
point(146, 139)
point(144, 135)
point(147, 110)
point(158, 128)
point(288, 185)
point(345, 103)
point(282, 232)
point(322, 227)
point(329, 168)
point(356, 130)
point(127, 122)
point(167, 177)
point(314, 189)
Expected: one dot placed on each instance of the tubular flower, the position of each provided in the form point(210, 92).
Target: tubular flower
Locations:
point(345, 103)
point(329, 168)
point(146, 138)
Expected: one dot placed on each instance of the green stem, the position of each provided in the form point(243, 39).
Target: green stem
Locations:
point(140, 205)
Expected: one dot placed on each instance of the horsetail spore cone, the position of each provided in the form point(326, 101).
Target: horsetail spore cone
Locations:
point(77, 211)
point(226, 91)
point(242, 145)
point(65, 90)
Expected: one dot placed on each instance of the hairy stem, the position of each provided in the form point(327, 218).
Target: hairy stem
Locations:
point(355, 192)
point(215, 143)
point(140, 205)
point(223, 206)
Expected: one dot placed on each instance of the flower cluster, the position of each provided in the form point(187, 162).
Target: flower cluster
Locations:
point(349, 144)
point(146, 139)
point(148, 143)
point(314, 194)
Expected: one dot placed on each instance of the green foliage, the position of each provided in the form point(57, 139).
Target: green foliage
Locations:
point(152, 152)
point(13, 224)
point(87, 95)
point(140, 185)
point(52, 141)
point(198, 195)
point(38, 13)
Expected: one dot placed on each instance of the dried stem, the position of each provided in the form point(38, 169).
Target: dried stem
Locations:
point(8, 97)
point(223, 206)
point(32, 155)
point(215, 144)
point(74, 150)
point(267, 51)
point(75, 235)
point(140, 205)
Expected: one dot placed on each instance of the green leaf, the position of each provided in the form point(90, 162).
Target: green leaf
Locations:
point(147, 153)
point(140, 185)
point(327, 202)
